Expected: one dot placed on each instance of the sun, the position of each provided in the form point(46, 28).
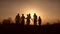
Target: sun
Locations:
point(32, 15)
point(31, 11)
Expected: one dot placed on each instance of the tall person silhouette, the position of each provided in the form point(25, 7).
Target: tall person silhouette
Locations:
point(17, 19)
point(35, 19)
point(39, 21)
point(28, 19)
point(22, 19)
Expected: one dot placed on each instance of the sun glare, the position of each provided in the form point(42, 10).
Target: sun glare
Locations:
point(31, 11)
point(32, 15)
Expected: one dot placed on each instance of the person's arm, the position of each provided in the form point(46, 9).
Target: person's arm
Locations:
point(25, 18)
point(31, 19)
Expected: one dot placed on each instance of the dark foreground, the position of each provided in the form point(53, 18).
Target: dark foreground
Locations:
point(20, 29)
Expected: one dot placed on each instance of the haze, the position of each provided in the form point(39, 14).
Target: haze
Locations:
point(49, 10)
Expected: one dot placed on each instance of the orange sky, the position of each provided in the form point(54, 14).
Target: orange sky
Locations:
point(47, 9)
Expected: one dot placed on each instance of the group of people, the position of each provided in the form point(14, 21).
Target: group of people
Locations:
point(22, 19)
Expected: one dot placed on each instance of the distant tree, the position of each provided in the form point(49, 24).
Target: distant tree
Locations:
point(17, 19)
point(58, 21)
point(10, 20)
point(48, 23)
point(6, 21)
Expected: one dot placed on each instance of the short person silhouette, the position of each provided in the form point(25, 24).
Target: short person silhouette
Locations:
point(39, 21)
point(35, 19)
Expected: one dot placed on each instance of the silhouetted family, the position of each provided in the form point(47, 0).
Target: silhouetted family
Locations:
point(21, 20)
point(19, 26)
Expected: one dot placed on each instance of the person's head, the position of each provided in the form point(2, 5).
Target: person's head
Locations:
point(29, 14)
point(22, 14)
point(34, 13)
point(18, 14)
point(39, 16)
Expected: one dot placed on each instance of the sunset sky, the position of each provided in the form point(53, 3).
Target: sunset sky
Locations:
point(49, 10)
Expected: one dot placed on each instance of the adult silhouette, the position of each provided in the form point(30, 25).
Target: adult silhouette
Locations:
point(22, 19)
point(35, 19)
point(28, 19)
point(17, 19)
point(39, 21)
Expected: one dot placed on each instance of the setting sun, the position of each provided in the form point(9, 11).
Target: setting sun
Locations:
point(31, 11)
point(30, 16)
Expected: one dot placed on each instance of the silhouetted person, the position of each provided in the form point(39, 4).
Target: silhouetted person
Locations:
point(39, 21)
point(28, 19)
point(22, 19)
point(17, 19)
point(35, 19)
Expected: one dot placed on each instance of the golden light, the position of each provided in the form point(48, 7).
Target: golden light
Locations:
point(32, 11)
